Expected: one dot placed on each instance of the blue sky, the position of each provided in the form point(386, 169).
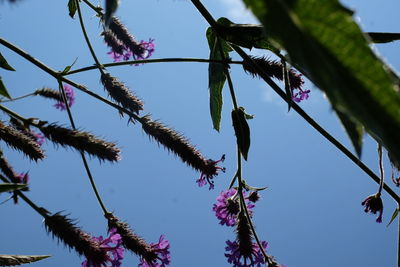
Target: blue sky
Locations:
point(311, 215)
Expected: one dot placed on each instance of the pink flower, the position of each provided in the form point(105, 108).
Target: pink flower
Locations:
point(69, 92)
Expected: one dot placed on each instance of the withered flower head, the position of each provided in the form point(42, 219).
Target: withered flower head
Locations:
point(149, 254)
point(73, 237)
point(374, 204)
point(121, 94)
point(179, 145)
point(20, 141)
point(81, 141)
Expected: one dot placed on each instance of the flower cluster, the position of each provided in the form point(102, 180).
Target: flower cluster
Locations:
point(123, 45)
point(69, 93)
point(236, 258)
point(115, 253)
point(163, 255)
point(227, 207)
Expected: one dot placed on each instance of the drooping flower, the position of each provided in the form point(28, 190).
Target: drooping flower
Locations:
point(227, 207)
point(69, 93)
point(212, 170)
point(238, 259)
point(113, 249)
point(163, 255)
point(374, 204)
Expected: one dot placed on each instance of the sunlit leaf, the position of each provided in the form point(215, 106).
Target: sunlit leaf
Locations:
point(8, 187)
point(216, 75)
point(3, 89)
point(242, 131)
point(323, 41)
point(13, 260)
point(72, 8)
point(394, 215)
point(4, 64)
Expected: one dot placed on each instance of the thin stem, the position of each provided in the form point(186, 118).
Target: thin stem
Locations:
point(381, 171)
point(43, 212)
point(17, 98)
point(398, 241)
point(146, 61)
point(227, 74)
point(87, 37)
point(96, 9)
point(16, 115)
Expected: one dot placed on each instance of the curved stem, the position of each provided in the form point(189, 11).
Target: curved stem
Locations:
point(96, 9)
point(381, 171)
point(99, 66)
point(147, 61)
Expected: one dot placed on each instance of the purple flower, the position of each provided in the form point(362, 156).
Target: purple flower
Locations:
point(163, 255)
point(301, 95)
point(374, 204)
point(236, 258)
point(207, 177)
point(227, 207)
point(22, 178)
point(146, 50)
point(39, 137)
point(115, 254)
point(69, 92)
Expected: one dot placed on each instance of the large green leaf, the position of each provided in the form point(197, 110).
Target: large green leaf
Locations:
point(8, 187)
point(216, 75)
point(242, 131)
point(13, 260)
point(245, 35)
point(322, 40)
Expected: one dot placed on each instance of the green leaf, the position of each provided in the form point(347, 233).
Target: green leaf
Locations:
point(354, 130)
point(324, 42)
point(216, 75)
point(111, 7)
point(286, 82)
point(245, 35)
point(383, 37)
point(3, 89)
point(8, 187)
point(68, 68)
point(242, 131)
point(4, 64)
point(13, 260)
point(394, 215)
point(72, 8)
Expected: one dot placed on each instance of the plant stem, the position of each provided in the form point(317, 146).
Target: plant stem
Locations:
point(17, 98)
point(381, 171)
point(146, 61)
point(99, 66)
point(96, 9)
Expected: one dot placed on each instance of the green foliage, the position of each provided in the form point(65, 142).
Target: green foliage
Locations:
point(216, 75)
point(4, 64)
point(3, 89)
point(242, 131)
point(8, 187)
point(72, 8)
point(394, 215)
point(324, 42)
point(13, 260)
